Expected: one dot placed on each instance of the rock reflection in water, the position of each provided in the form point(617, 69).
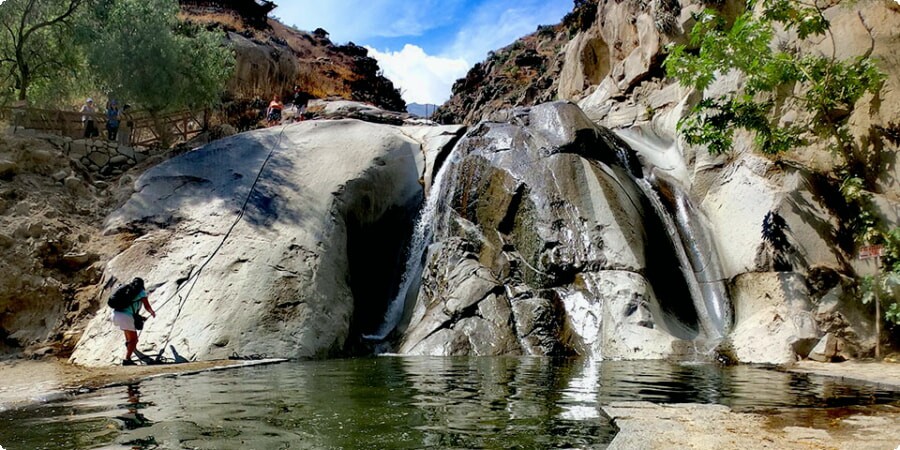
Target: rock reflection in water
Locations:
point(404, 402)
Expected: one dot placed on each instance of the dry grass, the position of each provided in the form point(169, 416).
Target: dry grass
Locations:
point(227, 20)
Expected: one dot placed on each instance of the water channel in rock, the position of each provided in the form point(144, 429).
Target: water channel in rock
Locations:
point(409, 402)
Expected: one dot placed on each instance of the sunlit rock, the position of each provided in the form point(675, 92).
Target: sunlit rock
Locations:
point(289, 279)
point(540, 220)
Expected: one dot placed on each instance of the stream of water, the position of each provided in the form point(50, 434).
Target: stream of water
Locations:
point(404, 402)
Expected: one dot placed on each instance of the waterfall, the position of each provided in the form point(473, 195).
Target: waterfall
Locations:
point(701, 250)
point(689, 234)
point(710, 300)
point(412, 271)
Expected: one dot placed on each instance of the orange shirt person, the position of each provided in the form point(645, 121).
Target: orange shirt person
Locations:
point(273, 115)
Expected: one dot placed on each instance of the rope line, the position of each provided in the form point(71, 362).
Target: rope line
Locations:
point(196, 274)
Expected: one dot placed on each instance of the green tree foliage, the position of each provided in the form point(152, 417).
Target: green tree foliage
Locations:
point(36, 46)
point(825, 88)
point(887, 285)
point(830, 87)
point(142, 54)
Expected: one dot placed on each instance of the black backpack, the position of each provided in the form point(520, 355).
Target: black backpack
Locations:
point(123, 296)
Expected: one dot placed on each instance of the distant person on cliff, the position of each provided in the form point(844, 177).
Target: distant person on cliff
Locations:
point(127, 317)
point(87, 119)
point(273, 115)
point(112, 120)
point(299, 99)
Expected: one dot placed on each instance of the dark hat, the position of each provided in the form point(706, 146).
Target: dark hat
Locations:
point(138, 282)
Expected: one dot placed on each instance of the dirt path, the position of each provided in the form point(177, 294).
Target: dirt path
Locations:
point(26, 381)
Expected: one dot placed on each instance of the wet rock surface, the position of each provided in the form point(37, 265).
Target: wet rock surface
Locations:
point(651, 426)
point(539, 247)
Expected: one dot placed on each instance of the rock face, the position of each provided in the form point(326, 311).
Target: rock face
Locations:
point(298, 274)
point(271, 58)
point(543, 246)
point(50, 244)
point(770, 219)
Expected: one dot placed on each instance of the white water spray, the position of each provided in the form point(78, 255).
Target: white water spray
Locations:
point(412, 271)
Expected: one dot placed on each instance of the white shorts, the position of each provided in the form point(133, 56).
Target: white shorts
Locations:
point(123, 320)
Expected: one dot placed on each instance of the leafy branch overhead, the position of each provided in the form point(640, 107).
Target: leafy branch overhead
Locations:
point(827, 87)
point(823, 88)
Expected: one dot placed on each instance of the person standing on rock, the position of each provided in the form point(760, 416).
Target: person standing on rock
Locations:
point(125, 318)
point(124, 134)
point(112, 120)
point(87, 119)
point(273, 116)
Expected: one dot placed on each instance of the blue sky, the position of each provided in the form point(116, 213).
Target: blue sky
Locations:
point(425, 45)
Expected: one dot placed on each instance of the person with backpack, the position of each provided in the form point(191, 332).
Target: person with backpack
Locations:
point(112, 120)
point(126, 302)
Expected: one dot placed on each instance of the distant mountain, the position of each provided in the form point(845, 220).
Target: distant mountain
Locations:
point(420, 110)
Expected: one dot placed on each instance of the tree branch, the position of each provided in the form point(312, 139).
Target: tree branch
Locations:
point(73, 5)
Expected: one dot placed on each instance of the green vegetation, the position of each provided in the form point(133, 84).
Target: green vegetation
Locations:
point(142, 53)
point(53, 52)
point(582, 16)
point(823, 88)
point(830, 87)
point(35, 45)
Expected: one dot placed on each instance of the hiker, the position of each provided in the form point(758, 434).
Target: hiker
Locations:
point(273, 115)
point(112, 120)
point(87, 119)
point(124, 134)
point(127, 317)
point(299, 99)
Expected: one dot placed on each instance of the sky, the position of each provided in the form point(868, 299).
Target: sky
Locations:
point(423, 46)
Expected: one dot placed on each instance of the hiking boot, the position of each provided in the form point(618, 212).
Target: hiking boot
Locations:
point(128, 362)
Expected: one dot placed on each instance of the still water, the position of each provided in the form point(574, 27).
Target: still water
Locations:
point(402, 402)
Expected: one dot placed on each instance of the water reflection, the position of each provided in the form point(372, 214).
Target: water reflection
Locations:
point(395, 402)
point(133, 419)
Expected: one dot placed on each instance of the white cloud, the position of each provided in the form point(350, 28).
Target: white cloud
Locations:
point(458, 33)
point(423, 78)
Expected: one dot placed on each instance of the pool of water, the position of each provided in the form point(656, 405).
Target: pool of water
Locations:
point(402, 402)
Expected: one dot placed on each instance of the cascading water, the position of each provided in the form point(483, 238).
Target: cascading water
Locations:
point(710, 303)
point(690, 236)
point(700, 249)
point(412, 272)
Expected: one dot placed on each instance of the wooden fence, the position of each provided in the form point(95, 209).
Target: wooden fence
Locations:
point(141, 128)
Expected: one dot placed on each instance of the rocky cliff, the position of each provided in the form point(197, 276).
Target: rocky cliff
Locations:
point(582, 227)
point(272, 58)
point(282, 241)
point(50, 245)
point(609, 61)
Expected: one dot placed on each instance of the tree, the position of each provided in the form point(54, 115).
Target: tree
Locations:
point(144, 55)
point(822, 87)
point(35, 41)
point(830, 87)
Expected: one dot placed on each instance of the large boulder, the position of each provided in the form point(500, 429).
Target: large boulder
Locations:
point(540, 247)
point(774, 322)
point(291, 272)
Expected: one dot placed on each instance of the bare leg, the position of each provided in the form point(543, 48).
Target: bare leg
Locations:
point(131, 341)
